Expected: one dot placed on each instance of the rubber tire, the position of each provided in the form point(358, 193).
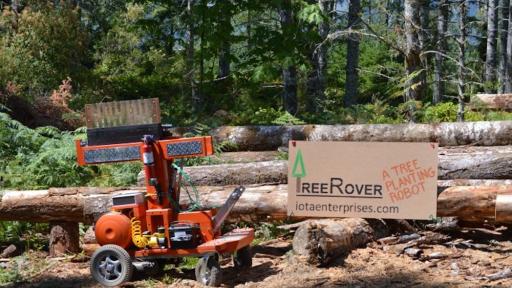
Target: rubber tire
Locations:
point(125, 262)
point(209, 264)
point(242, 259)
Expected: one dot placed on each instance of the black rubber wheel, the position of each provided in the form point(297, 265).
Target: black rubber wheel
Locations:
point(208, 271)
point(242, 259)
point(111, 266)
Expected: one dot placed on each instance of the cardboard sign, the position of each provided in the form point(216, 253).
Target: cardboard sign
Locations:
point(362, 179)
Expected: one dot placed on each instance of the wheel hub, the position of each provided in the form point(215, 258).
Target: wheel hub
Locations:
point(110, 268)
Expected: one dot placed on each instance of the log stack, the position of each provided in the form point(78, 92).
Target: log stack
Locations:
point(475, 173)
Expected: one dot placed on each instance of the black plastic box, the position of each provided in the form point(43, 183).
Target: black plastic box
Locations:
point(184, 235)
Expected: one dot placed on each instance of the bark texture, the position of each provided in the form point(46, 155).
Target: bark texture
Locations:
point(461, 42)
point(414, 88)
point(495, 101)
point(442, 28)
point(289, 70)
point(443, 184)
point(473, 204)
point(56, 204)
point(273, 172)
point(267, 138)
point(315, 90)
point(64, 238)
point(503, 32)
point(352, 78)
point(508, 80)
point(323, 241)
point(190, 54)
point(475, 163)
point(490, 55)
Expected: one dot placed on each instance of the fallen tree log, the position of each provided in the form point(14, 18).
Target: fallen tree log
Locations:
point(258, 203)
point(475, 162)
point(55, 204)
point(454, 163)
point(470, 203)
point(325, 240)
point(443, 184)
point(494, 101)
point(265, 138)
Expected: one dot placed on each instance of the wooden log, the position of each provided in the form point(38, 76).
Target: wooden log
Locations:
point(472, 162)
point(473, 204)
point(82, 204)
point(259, 202)
point(443, 184)
point(266, 138)
point(325, 240)
point(64, 238)
point(494, 101)
point(469, 162)
point(271, 172)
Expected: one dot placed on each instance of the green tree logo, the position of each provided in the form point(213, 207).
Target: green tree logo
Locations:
point(298, 170)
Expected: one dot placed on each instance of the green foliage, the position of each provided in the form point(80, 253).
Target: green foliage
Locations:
point(444, 112)
point(269, 116)
point(41, 47)
point(45, 157)
point(10, 275)
point(23, 234)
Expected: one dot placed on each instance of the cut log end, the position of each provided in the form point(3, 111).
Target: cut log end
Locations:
point(327, 240)
point(64, 238)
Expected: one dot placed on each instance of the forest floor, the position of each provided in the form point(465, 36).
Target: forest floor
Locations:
point(455, 263)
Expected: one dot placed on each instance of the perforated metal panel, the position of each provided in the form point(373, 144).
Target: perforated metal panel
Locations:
point(184, 148)
point(112, 155)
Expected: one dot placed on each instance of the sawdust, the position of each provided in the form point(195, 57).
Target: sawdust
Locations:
point(451, 264)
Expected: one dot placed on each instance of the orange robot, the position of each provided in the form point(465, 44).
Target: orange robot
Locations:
point(145, 228)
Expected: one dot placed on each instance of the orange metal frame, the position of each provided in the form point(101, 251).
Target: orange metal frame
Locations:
point(154, 213)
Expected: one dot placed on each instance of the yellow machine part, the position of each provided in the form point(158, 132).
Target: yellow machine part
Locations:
point(138, 239)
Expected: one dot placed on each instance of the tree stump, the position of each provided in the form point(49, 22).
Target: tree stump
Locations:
point(329, 240)
point(64, 238)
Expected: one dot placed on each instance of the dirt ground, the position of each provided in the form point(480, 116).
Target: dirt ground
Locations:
point(455, 263)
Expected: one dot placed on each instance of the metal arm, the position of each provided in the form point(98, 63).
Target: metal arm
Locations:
point(224, 211)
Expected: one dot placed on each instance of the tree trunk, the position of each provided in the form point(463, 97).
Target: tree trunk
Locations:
point(508, 80)
point(326, 240)
point(224, 34)
point(503, 31)
point(224, 60)
point(490, 59)
point(290, 89)
point(64, 238)
point(414, 88)
point(442, 28)
point(316, 81)
point(501, 102)
point(423, 36)
point(462, 66)
point(190, 65)
point(352, 78)
point(289, 71)
point(267, 138)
